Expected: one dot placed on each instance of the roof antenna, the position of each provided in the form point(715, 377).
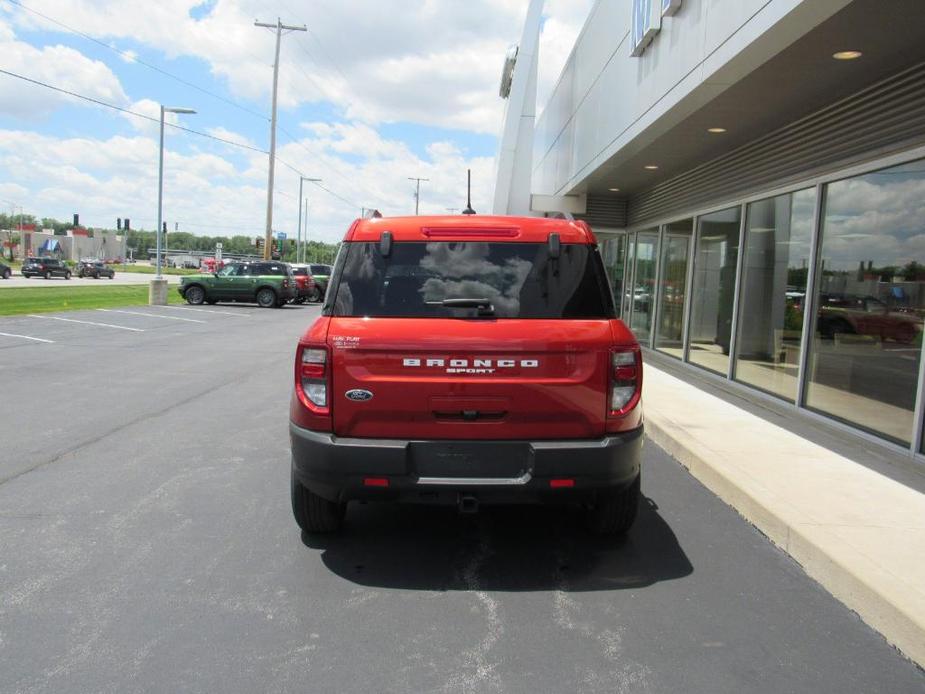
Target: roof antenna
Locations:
point(469, 209)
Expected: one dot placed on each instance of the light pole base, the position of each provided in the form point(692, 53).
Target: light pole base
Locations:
point(157, 292)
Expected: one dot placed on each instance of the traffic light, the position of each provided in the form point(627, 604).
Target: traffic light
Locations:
point(127, 224)
point(119, 224)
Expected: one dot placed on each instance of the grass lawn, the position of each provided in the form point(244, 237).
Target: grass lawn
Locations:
point(19, 300)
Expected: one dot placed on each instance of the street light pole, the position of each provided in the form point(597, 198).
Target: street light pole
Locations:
point(298, 251)
point(158, 294)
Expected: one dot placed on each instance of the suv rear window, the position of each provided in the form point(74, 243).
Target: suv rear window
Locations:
point(519, 279)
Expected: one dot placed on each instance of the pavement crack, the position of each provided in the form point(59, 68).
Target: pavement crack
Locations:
point(121, 427)
point(478, 673)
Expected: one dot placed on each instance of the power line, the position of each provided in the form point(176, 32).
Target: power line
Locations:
point(132, 113)
point(135, 59)
point(223, 140)
point(293, 139)
point(315, 183)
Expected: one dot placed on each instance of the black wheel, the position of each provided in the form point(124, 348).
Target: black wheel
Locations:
point(7, 274)
point(67, 275)
point(195, 295)
point(47, 275)
point(266, 298)
point(313, 513)
point(314, 296)
point(112, 276)
point(613, 513)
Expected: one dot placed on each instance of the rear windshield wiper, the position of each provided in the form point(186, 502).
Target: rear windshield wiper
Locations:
point(485, 307)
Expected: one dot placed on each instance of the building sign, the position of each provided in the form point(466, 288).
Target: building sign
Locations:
point(647, 21)
point(670, 7)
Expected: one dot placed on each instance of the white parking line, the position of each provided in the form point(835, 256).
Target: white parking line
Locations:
point(207, 310)
point(26, 337)
point(86, 322)
point(151, 315)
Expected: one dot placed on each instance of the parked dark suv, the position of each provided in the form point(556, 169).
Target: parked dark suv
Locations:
point(45, 267)
point(268, 284)
point(467, 362)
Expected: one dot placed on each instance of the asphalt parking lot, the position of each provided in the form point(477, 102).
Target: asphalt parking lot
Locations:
point(146, 544)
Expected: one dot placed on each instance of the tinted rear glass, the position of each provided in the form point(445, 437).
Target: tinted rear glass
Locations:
point(519, 279)
point(321, 269)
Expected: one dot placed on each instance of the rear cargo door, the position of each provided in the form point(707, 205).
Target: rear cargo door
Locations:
point(451, 379)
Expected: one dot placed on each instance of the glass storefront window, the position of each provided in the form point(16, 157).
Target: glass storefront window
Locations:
point(669, 334)
point(775, 268)
point(614, 255)
point(713, 292)
point(867, 341)
point(627, 300)
point(643, 286)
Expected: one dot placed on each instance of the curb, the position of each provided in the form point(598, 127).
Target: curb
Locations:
point(810, 546)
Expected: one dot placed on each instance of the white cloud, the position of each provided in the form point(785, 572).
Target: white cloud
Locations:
point(117, 177)
point(427, 62)
point(57, 65)
point(421, 61)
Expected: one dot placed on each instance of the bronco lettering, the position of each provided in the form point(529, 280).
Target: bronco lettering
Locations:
point(470, 365)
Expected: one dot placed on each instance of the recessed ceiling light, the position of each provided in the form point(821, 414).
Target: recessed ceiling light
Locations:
point(716, 131)
point(847, 55)
point(614, 190)
point(651, 167)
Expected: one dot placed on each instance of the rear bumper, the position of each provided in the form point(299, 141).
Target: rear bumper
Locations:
point(440, 471)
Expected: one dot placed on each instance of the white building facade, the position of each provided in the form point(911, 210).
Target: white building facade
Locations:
point(755, 172)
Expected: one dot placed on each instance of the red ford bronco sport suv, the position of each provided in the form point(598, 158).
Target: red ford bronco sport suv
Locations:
point(467, 360)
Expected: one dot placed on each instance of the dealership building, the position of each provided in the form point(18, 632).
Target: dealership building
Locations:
point(755, 173)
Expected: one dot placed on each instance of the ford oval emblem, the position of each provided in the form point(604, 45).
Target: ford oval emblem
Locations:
point(359, 395)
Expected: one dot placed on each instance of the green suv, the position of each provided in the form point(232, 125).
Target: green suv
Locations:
point(268, 284)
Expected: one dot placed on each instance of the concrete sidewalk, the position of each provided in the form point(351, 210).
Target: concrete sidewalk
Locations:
point(858, 532)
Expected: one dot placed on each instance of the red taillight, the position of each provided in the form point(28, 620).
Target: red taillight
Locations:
point(312, 377)
point(375, 482)
point(625, 380)
point(562, 484)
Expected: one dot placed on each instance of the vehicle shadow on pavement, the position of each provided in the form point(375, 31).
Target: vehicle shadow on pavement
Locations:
point(500, 549)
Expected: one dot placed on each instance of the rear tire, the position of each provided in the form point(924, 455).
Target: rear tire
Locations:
point(195, 295)
point(315, 295)
point(614, 512)
point(67, 275)
point(266, 298)
point(313, 513)
point(47, 275)
point(7, 274)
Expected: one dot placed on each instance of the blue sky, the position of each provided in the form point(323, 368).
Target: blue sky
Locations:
point(414, 95)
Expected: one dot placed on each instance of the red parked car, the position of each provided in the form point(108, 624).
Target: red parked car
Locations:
point(465, 362)
point(305, 284)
